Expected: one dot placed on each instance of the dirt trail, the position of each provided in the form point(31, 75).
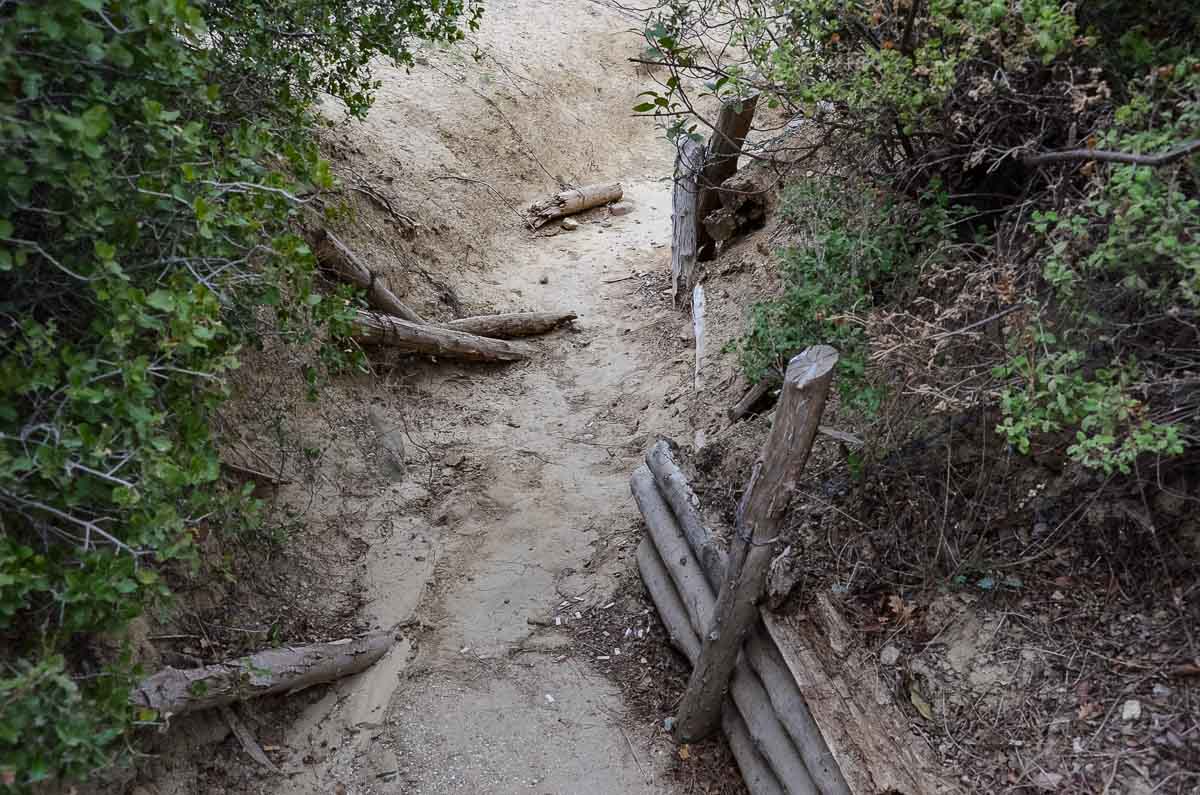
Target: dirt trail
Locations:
point(516, 508)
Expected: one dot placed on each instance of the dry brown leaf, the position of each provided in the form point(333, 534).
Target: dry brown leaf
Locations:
point(920, 703)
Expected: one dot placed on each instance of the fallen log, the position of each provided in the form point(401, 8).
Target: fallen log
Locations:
point(744, 685)
point(782, 691)
point(575, 200)
point(751, 398)
point(720, 162)
point(756, 771)
point(689, 160)
point(333, 254)
point(757, 523)
point(372, 328)
point(511, 324)
point(174, 691)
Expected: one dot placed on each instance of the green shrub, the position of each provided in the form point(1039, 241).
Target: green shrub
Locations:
point(157, 158)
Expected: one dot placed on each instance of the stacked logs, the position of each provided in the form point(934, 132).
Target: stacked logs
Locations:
point(772, 734)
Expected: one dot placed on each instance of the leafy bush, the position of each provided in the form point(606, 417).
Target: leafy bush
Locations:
point(158, 155)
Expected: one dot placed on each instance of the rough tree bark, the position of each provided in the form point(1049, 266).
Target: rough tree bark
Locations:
point(511, 324)
point(783, 692)
point(720, 163)
point(377, 329)
point(756, 771)
point(174, 691)
point(744, 685)
point(772, 482)
point(575, 200)
point(689, 161)
point(333, 254)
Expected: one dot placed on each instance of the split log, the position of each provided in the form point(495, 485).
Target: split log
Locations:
point(720, 162)
point(575, 200)
point(756, 771)
point(782, 691)
point(374, 328)
point(751, 398)
point(744, 685)
point(333, 254)
point(511, 324)
point(698, 305)
point(174, 691)
point(689, 161)
point(759, 517)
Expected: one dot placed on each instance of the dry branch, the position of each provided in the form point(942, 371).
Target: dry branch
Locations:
point(772, 482)
point(575, 200)
point(511, 324)
point(333, 254)
point(377, 329)
point(751, 398)
point(1105, 156)
point(174, 691)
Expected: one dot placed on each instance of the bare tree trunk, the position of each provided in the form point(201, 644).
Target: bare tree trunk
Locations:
point(744, 685)
point(374, 328)
point(575, 200)
point(333, 254)
point(756, 771)
point(511, 324)
point(173, 691)
point(720, 163)
point(805, 387)
point(685, 222)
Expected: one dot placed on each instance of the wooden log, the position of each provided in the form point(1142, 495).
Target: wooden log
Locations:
point(574, 200)
point(333, 254)
point(698, 305)
point(174, 691)
point(511, 324)
point(751, 398)
point(744, 685)
point(689, 161)
point(781, 687)
point(720, 163)
point(372, 328)
point(759, 516)
point(756, 771)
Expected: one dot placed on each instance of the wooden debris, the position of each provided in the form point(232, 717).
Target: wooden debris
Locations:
point(377, 329)
point(698, 305)
point(333, 254)
point(511, 324)
point(174, 691)
point(774, 478)
point(751, 398)
point(246, 738)
point(689, 161)
point(720, 163)
point(575, 200)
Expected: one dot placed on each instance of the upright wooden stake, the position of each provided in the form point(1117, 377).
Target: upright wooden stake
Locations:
point(685, 223)
point(772, 483)
point(720, 162)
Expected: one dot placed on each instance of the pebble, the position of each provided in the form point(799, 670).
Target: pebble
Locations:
point(889, 655)
point(621, 208)
point(544, 279)
point(1131, 709)
point(570, 224)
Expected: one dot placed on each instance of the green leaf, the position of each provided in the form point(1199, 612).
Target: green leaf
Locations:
point(161, 300)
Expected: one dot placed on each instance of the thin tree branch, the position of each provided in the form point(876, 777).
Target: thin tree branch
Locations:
point(1105, 156)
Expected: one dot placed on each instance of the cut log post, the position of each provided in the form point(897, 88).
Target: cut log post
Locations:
point(511, 324)
point(782, 691)
point(772, 483)
point(744, 685)
point(372, 328)
point(575, 200)
point(689, 161)
point(720, 162)
point(756, 771)
point(333, 254)
point(174, 691)
point(751, 398)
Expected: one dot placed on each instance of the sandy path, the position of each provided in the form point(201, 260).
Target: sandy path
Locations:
point(539, 453)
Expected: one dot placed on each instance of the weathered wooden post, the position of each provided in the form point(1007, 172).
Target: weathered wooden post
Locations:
point(720, 163)
point(759, 517)
point(685, 223)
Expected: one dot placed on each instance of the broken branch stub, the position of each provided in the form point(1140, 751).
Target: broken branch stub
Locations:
point(574, 200)
point(174, 691)
point(373, 328)
point(759, 517)
point(336, 256)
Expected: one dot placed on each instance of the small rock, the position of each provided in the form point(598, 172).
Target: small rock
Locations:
point(569, 224)
point(545, 279)
point(453, 459)
point(621, 208)
point(889, 655)
point(1131, 709)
